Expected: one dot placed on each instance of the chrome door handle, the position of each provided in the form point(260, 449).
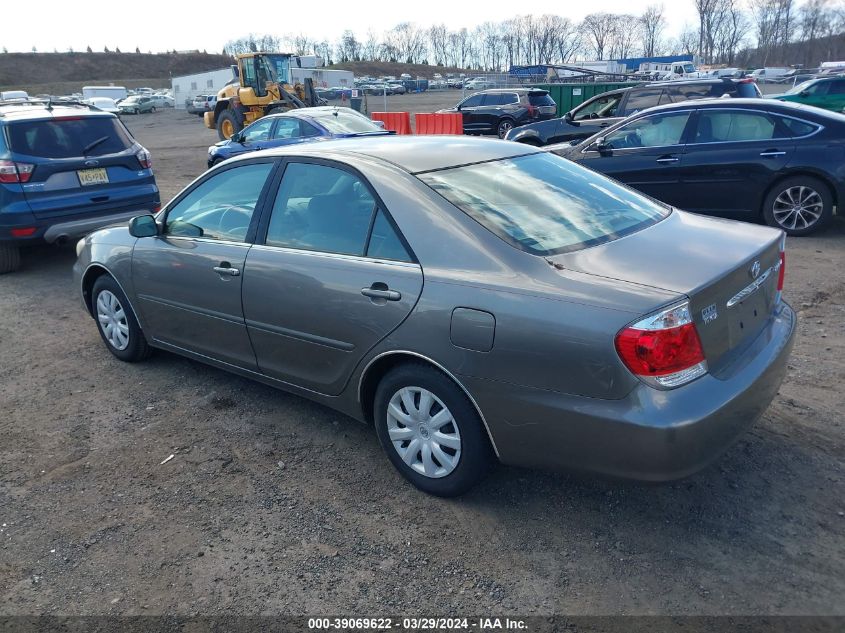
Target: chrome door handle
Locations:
point(227, 270)
point(667, 159)
point(373, 293)
point(769, 153)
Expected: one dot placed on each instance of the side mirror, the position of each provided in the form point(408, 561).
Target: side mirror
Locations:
point(379, 123)
point(568, 116)
point(143, 226)
point(601, 145)
point(805, 93)
point(237, 137)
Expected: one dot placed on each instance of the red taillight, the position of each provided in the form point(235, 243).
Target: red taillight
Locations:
point(157, 208)
point(15, 172)
point(145, 158)
point(663, 349)
point(782, 271)
point(25, 232)
point(532, 110)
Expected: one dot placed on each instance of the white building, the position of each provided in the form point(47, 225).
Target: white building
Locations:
point(324, 78)
point(189, 86)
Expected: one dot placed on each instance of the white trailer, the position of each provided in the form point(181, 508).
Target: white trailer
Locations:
point(671, 70)
point(186, 87)
point(112, 92)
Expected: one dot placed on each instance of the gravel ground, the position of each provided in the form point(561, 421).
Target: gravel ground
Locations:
point(274, 505)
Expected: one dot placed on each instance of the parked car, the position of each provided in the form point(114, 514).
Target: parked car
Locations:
point(607, 109)
point(479, 83)
point(824, 92)
point(136, 105)
point(66, 170)
point(397, 87)
point(296, 126)
point(163, 101)
point(104, 103)
point(471, 299)
point(499, 111)
point(202, 104)
point(769, 74)
point(751, 158)
point(730, 73)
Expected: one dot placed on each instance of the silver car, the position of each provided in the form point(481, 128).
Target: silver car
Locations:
point(472, 299)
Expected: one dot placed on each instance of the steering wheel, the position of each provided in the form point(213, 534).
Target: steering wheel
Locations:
point(235, 221)
point(594, 115)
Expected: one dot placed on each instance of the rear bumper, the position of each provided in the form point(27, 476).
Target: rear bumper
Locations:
point(74, 226)
point(648, 435)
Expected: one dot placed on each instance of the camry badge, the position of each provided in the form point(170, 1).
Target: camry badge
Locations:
point(709, 314)
point(755, 269)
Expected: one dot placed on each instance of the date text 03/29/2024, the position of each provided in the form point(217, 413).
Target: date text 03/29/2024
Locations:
point(417, 624)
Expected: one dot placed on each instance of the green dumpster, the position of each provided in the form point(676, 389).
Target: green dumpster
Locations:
point(567, 96)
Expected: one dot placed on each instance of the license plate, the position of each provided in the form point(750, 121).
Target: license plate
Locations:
point(93, 177)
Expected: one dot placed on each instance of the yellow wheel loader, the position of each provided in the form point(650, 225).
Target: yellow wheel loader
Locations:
point(261, 87)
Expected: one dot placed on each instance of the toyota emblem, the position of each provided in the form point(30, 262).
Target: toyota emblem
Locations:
point(755, 269)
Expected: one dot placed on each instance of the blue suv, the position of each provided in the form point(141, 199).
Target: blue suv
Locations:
point(65, 171)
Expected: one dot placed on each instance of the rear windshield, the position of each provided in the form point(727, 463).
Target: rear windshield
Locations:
point(538, 99)
point(340, 122)
point(545, 204)
point(748, 89)
point(71, 137)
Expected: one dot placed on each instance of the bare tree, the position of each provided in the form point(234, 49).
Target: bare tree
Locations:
point(598, 29)
point(652, 24)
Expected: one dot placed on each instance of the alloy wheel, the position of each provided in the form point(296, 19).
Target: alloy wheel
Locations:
point(112, 320)
point(423, 432)
point(798, 207)
point(504, 128)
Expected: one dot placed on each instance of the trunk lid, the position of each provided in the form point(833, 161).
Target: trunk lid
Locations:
point(75, 170)
point(728, 270)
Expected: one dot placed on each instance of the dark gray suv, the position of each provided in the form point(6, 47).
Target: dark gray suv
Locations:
point(611, 107)
point(500, 110)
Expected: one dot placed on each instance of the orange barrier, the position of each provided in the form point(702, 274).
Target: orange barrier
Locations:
point(399, 122)
point(437, 123)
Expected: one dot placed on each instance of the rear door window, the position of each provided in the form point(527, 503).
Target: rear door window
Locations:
point(471, 102)
point(70, 137)
point(536, 99)
point(721, 126)
point(837, 87)
point(642, 99)
point(686, 92)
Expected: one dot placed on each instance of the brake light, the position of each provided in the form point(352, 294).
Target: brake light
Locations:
point(663, 349)
point(15, 172)
point(781, 269)
point(532, 110)
point(145, 158)
point(25, 232)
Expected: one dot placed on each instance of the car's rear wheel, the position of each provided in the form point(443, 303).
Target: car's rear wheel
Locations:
point(116, 322)
point(10, 258)
point(430, 430)
point(505, 126)
point(799, 205)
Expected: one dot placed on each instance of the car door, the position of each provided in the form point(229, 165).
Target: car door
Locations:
point(331, 279)
point(815, 94)
point(590, 117)
point(257, 136)
point(188, 278)
point(835, 95)
point(469, 108)
point(645, 153)
point(732, 158)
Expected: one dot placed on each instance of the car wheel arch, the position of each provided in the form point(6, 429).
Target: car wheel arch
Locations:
point(797, 173)
point(94, 271)
point(381, 364)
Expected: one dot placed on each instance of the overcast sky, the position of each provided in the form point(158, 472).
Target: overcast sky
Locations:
point(159, 25)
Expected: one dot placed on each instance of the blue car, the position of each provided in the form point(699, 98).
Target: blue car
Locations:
point(66, 170)
point(297, 126)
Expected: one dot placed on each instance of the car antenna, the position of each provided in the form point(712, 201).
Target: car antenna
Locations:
point(50, 103)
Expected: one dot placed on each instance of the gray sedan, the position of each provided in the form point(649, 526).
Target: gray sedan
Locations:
point(472, 299)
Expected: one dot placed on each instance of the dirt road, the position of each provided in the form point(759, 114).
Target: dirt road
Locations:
point(275, 505)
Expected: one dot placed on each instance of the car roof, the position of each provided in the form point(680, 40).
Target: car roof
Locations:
point(414, 154)
point(686, 82)
point(34, 111)
point(784, 107)
point(512, 90)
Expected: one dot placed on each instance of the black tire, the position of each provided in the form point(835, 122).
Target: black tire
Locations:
point(476, 454)
point(504, 126)
point(231, 116)
point(10, 258)
point(816, 196)
point(137, 348)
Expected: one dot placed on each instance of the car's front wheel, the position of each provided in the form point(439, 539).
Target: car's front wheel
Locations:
point(799, 205)
point(505, 126)
point(430, 430)
point(116, 322)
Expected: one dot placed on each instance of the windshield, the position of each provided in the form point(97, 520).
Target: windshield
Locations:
point(70, 137)
point(689, 68)
point(804, 85)
point(545, 204)
point(341, 122)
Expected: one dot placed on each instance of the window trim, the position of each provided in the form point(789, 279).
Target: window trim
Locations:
point(161, 218)
point(260, 237)
point(819, 127)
